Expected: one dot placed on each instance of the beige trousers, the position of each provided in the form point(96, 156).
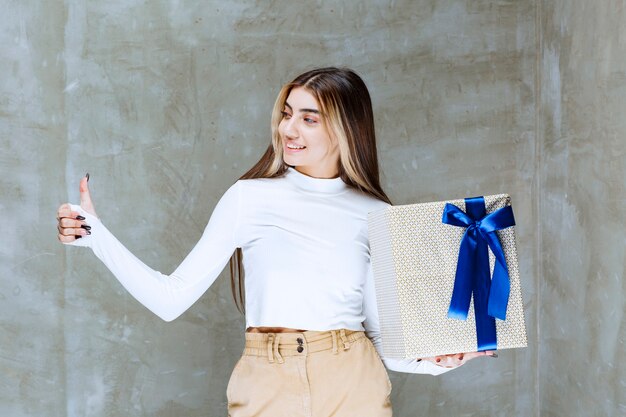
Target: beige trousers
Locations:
point(335, 373)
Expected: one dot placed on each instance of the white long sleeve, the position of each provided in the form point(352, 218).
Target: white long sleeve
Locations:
point(168, 296)
point(305, 255)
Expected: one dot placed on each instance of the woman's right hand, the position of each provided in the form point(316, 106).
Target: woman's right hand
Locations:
point(71, 225)
point(456, 360)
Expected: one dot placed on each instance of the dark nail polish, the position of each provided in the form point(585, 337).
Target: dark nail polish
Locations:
point(438, 360)
point(84, 226)
point(78, 236)
point(495, 355)
point(88, 232)
point(80, 218)
point(87, 177)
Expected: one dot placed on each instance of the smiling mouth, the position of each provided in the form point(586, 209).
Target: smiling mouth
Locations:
point(289, 146)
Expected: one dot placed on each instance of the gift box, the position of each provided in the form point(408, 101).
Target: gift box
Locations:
point(446, 276)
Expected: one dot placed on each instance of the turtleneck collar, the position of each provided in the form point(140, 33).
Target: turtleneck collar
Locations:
point(320, 185)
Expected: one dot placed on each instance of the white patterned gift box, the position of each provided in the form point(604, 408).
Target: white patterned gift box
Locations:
point(414, 257)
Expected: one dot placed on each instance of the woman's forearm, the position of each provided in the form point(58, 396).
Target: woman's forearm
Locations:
point(168, 296)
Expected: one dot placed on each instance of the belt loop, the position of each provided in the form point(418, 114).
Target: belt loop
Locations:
point(334, 335)
point(276, 352)
point(346, 345)
point(270, 342)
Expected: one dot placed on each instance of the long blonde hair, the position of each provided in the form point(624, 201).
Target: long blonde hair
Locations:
point(347, 108)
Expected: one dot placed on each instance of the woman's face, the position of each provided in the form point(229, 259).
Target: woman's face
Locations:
point(303, 125)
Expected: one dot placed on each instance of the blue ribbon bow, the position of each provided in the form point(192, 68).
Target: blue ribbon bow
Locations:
point(491, 294)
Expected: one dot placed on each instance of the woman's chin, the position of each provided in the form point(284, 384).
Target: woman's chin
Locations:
point(290, 160)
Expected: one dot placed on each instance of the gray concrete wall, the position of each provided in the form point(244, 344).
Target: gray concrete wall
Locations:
point(167, 103)
point(582, 131)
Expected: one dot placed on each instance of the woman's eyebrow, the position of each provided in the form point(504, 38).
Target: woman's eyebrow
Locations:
point(303, 110)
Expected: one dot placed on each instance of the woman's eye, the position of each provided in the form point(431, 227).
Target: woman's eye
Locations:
point(285, 114)
point(309, 120)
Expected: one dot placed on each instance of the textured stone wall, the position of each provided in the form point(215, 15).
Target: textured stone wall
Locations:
point(582, 129)
point(166, 104)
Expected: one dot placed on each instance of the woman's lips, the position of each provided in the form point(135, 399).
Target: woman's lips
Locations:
point(290, 150)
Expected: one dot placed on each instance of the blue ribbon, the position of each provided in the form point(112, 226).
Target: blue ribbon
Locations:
point(491, 294)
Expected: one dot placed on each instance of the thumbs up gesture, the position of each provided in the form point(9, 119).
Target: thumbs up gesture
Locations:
point(75, 221)
point(85, 196)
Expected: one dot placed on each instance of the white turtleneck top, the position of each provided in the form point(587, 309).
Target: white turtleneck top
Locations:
point(305, 254)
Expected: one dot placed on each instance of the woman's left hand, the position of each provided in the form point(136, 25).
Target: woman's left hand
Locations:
point(458, 359)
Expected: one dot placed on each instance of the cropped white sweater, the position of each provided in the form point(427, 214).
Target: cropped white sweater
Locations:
point(305, 254)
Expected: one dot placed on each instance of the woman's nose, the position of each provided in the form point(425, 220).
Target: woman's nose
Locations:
point(290, 128)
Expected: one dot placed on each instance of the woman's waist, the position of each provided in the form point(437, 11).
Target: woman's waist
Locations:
point(300, 343)
point(276, 318)
point(265, 329)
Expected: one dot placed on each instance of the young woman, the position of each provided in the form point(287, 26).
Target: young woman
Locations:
point(296, 223)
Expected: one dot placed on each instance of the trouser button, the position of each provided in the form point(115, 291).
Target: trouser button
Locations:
point(300, 347)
